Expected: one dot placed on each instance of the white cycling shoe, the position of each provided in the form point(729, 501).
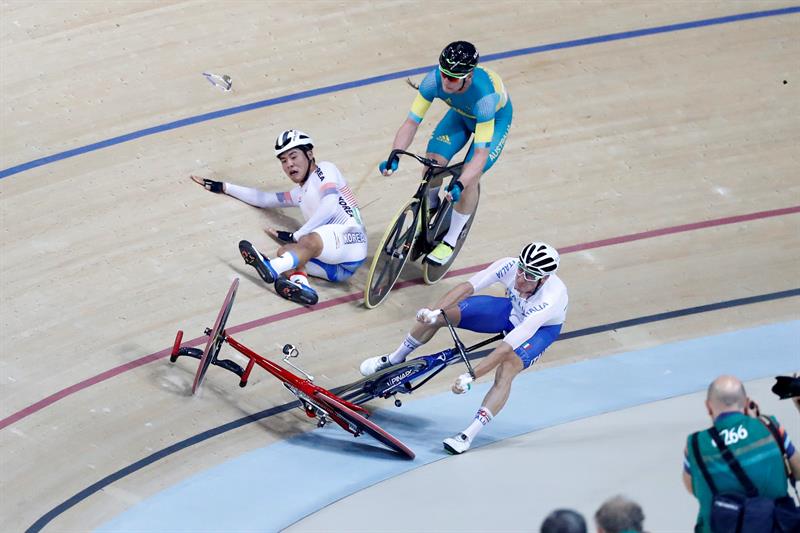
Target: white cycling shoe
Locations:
point(374, 364)
point(458, 444)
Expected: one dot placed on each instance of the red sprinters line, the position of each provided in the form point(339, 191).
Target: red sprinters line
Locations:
point(108, 374)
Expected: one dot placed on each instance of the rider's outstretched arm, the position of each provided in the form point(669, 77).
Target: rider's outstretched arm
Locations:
point(402, 140)
point(406, 133)
point(427, 324)
point(428, 321)
point(455, 295)
point(422, 102)
point(259, 198)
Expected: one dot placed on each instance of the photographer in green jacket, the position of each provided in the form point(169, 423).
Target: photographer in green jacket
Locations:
point(737, 421)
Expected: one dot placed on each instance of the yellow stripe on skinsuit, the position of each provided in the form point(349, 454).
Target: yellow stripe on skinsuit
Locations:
point(420, 106)
point(484, 132)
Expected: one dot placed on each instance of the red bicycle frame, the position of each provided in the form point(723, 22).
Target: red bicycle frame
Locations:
point(317, 402)
point(305, 389)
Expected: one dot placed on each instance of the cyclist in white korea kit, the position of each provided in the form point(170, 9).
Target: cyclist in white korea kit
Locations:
point(332, 243)
point(531, 314)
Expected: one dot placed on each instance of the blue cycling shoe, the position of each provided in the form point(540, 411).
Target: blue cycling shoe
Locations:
point(296, 292)
point(253, 258)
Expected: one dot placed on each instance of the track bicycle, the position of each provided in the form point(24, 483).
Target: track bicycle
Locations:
point(315, 401)
point(408, 376)
point(414, 232)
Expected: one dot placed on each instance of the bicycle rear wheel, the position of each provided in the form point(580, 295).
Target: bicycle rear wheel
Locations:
point(365, 425)
point(432, 273)
point(357, 392)
point(392, 254)
point(215, 338)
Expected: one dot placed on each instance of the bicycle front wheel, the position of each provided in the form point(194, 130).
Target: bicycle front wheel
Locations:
point(432, 273)
point(361, 423)
point(215, 338)
point(392, 254)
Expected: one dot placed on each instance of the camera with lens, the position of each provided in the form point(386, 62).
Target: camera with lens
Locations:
point(787, 387)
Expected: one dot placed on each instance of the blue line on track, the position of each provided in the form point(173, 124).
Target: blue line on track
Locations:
point(386, 77)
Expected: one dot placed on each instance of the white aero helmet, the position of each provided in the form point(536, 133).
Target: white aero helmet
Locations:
point(292, 139)
point(539, 259)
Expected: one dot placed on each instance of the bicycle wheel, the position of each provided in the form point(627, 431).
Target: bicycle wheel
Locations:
point(215, 338)
point(392, 254)
point(432, 273)
point(357, 392)
point(370, 387)
point(358, 421)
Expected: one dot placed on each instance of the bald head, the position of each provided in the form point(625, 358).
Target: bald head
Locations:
point(726, 393)
point(619, 514)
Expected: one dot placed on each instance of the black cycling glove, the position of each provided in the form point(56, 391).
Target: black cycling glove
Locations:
point(285, 236)
point(213, 186)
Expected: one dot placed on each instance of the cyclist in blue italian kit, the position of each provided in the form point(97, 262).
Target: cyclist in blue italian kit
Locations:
point(479, 106)
point(531, 314)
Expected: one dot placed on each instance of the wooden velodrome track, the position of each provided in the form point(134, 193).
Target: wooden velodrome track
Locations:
point(107, 253)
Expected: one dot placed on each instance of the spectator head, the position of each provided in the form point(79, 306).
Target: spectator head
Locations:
point(564, 521)
point(725, 395)
point(619, 514)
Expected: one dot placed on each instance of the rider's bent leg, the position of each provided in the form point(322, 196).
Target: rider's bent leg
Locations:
point(465, 207)
point(462, 211)
point(509, 365)
point(296, 255)
point(510, 362)
point(449, 136)
point(343, 249)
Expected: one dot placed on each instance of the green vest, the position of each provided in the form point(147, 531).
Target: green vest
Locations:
point(756, 450)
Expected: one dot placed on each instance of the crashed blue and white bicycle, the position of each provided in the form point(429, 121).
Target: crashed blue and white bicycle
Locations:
point(408, 376)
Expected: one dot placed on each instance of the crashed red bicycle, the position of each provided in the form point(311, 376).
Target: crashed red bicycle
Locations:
point(314, 400)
